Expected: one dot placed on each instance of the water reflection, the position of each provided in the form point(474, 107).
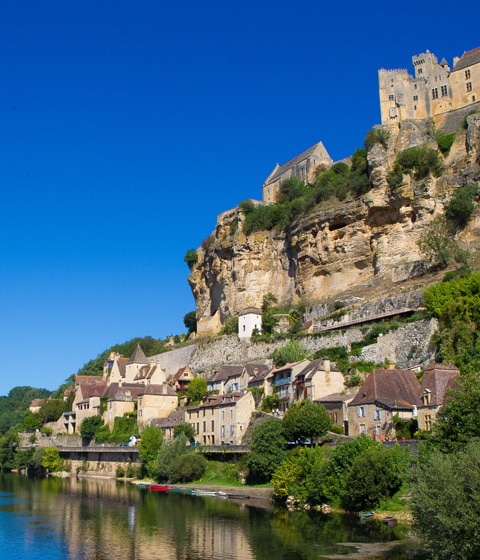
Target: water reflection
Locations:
point(80, 519)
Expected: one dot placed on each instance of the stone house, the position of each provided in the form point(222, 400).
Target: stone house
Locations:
point(136, 369)
point(281, 383)
point(249, 319)
point(121, 399)
point(433, 91)
point(168, 424)
point(257, 376)
point(437, 380)
point(181, 380)
point(318, 378)
point(384, 394)
point(221, 419)
point(228, 378)
point(89, 389)
point(303, 167)
point(155, 401)
point(336, 405)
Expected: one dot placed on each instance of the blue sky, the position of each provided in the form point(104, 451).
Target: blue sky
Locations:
point(126, 127)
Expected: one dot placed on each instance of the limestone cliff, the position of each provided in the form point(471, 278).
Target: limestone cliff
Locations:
point(339, 248)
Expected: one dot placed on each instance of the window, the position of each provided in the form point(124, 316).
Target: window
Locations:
point(469, 86)
point(420, 71)
point(467, 74)
point(391, 97)
point(415, 97)
point(213, 425)
point(204, 426)
point(376, 415)
point(232, 429)
point(222, 431)
point(444, 90)
point(435, 93)
point(361, 411)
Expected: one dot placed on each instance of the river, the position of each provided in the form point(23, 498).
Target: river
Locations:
point(95, 519)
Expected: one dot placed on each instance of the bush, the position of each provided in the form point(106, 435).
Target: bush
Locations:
point(187, 467)
point(445, 142)
point(421, 161)
point(89, 426)
point(267, 451)
point(291, 352)
point(376, 136)
point(461, 205)
point(191, 258)
point(230, 325)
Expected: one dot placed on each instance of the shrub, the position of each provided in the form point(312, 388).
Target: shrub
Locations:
point(291, 352)
point(230, 325)
point(89, 426)
point(191, 258)
point(376, 136)
point(187, 467)
point(445, 142)
point(420, 160)
point(461, 205)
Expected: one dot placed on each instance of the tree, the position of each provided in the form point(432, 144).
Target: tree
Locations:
point(186, 429)
point(51, 460)
point(169, 467)
point(89, 426)
point(445, 502)
point(292, 352)
point(436, 243)
point(148, 448)
point(51, 410)
point(267, 301)
point(376, 475)
point(461, 205)
point(191, 258)
point(187, 467)
point(190, 321)
point(267, 450)
point(307, 420)
point(457, 422)
point(196, 390)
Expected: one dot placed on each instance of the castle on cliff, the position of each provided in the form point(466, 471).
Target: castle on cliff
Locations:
point(434, 90)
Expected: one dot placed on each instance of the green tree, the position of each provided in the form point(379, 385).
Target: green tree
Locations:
point(292, 352)
point(457, 422)
point(51, 410)
point(461, 206)
point(51, 460)
point(168, 455)
point(190, 321)
point(436, 243)
point(89, 426)
point(184, 428)
point(149, 447)
point(376, 475)
point(187, 467)
point(445, 502)
point(191, 258)
point(230, 325)
point(268, 301)
point(306, 419)
point(196, 390)
point(267, 450)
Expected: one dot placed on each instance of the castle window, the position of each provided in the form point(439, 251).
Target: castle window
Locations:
point(473, 98)
point(415, 97)
point(444, 91)
point(467, 74)
point(435, 93)
point(391, 97)
point(469, 86)
point(420, 71)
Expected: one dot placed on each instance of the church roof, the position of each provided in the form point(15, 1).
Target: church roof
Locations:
point(317, 149)
point(468, 58)
point(138, 356)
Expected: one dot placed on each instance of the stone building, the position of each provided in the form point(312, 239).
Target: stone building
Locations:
point(249, 319)
point(434, 90)
point(303, 167)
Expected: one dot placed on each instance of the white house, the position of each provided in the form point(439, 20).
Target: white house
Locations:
point(249, 320)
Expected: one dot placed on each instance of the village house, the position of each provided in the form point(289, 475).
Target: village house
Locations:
point(336, 405)
point(437, 380)
point(169, 423)
point(318, 378)
point(281, 383)
point(384, 394)
point(221, 419)
point(228, 378)
point(155, 401)
point(249, 320)
point(181, 380)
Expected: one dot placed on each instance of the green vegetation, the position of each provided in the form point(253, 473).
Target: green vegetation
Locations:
point(376, 136)
point(190, 321)
point(191, 258)
point(297, 199)
point(196, 390)
point(89, 426)
point(456, 304)
point(445, 142)
point(14, 407)
point(178, 462)
point(149, 447)
point(230, 325)
point(306, 420)
point(447, 520)
point(51, 460)
point(267, 451)
point(462, 204)
point(292, 352)
point(420, 161)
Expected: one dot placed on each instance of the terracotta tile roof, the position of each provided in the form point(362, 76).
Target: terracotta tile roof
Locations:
point(88, 379)
point(173, 419)
point(315, 365)
point(124, 391)
point(392, 387)
point(437, 379)
point(468, 58)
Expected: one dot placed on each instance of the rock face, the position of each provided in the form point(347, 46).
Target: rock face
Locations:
point(340, 247)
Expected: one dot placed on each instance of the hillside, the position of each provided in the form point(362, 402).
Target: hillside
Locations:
point(354, 249)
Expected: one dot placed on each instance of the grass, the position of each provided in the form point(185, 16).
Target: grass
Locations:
point(221, 474)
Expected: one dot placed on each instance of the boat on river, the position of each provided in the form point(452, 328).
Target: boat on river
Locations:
point(164, 488)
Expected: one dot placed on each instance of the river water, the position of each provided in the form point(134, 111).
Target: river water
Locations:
point(93, 519)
